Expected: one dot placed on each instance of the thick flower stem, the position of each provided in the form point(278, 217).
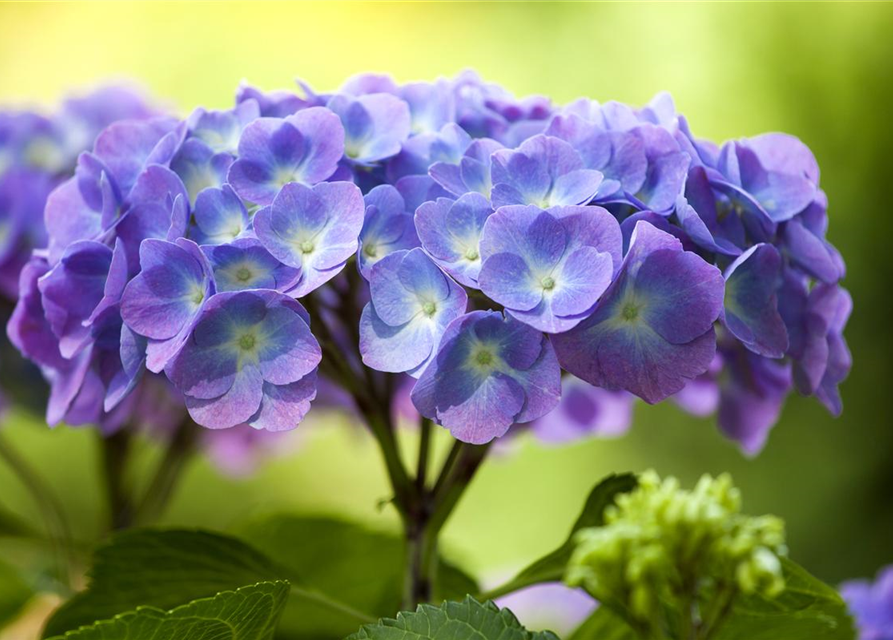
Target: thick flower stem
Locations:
point(170, 470)
point(423, 525)
point(115, 450)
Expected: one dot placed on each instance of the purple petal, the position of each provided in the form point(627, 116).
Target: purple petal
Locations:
point(751, 305)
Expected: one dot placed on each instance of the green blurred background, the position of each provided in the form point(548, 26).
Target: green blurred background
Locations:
point(821, 71)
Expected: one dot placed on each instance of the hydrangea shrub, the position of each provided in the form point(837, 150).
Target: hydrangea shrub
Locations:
point(446, 253)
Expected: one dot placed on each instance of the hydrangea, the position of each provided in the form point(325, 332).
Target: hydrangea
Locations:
point(250, 359)
point(302, 148)
point(653, 330)
point(313, 229)
point(486, 244)
point(549, 268)
point(871, 603)
point(412, 302)
point(660, 540)
point(490, 372)
point(450, 232)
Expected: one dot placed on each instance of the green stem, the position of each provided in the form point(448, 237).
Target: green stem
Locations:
point(423, 530)
point(424, 453)
point(50, 508)
point(115, 450)
point(170, 470)
point(722, 606)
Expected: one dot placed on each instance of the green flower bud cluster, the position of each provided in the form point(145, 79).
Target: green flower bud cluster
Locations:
point(690, 551)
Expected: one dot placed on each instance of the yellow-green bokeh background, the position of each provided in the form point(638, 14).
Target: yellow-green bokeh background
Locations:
point(821, 71)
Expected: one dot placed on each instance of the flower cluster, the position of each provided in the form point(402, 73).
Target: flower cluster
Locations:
point(872, 605)
point(663, 544)
point(483, 245)
point(37, 152)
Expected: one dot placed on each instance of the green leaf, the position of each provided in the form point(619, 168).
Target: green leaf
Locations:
point(466, 620)
point(360, 568)
point(161, 569)
point(550, 568)
point(248, 613)
point(14, 593)
point(807, 609)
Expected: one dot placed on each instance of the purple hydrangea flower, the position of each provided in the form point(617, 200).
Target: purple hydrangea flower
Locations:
point(412, 303)
point(544, 171)
point(490, 372)
point(218, 217)
point(618, 155)
point(245, 264)
point(72, 290)
point(375, 125)
point(419, 152)
point(751, 302)
point(872, 605)
point(585, 411)
point(250, 359)
point(667, 168)
point(163, 302)
point(275, 104)
point(221, 131)
point(471, 173)
point(815, 321)
point(313, 229)
point(200, 168)
point(752, 392)
point(450, 231)
point(653, 328)
point(304, 148)
point(387, 227)
point(779, 195)
point(549, 268)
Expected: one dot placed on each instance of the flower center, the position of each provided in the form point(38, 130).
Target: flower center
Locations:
point(630, 312)
point(548, 283)
point(471, 253)
point(243, 274)
point(247, 341)
point(484, 358)
point(198, 295)
point(307, 246)
point(370, 250)
point(429, 308)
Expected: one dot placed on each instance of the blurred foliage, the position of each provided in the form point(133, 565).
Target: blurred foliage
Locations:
point(821, 71)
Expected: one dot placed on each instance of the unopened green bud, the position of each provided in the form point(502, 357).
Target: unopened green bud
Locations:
point(660, 542)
